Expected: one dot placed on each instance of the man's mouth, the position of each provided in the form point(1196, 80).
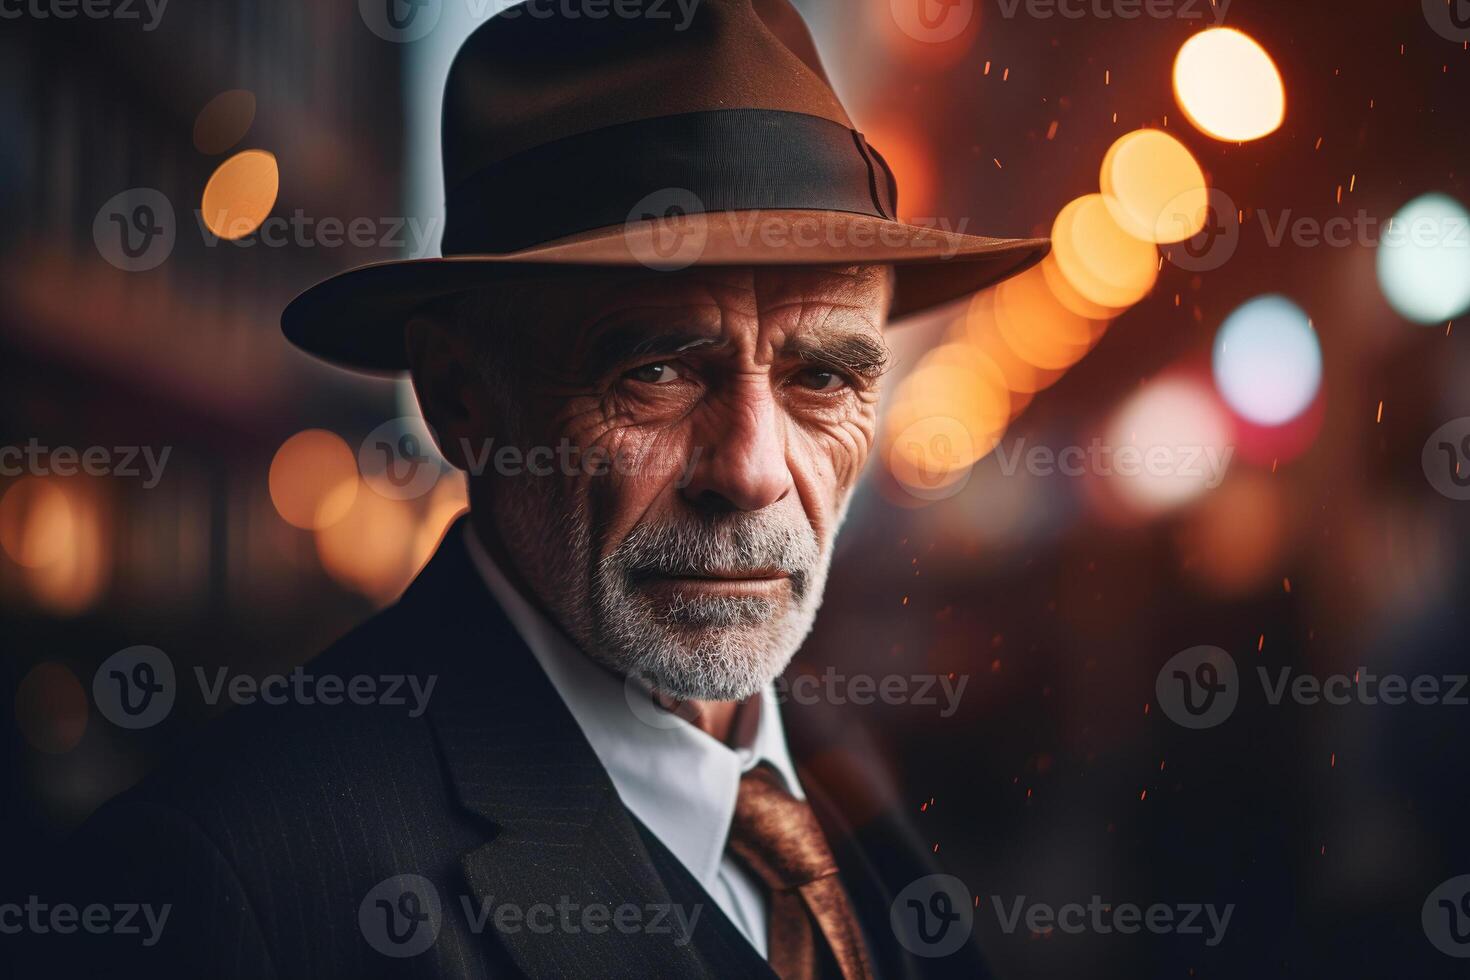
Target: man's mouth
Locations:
point(756, 582)
point(736, 575)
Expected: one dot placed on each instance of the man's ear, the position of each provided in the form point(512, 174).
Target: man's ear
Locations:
point(450, 391)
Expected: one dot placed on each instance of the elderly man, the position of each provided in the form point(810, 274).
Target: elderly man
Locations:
point(669, 246)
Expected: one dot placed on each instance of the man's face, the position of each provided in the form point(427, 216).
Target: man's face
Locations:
point(720, 418)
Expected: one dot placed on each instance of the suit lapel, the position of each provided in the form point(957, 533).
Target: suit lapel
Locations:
point(515, 757)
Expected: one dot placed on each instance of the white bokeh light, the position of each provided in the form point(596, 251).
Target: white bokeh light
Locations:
point(1267, 362)
point(1167, 444)
point(1424, 260)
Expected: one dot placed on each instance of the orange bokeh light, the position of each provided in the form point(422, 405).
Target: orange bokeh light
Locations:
point(1102, 262)
point(1022, 378)
point(240, 194)
point(1154, 188)
point(1038, 328)
point(313, 479)
point(54, 529)
point(372, 548)
point(949, 413)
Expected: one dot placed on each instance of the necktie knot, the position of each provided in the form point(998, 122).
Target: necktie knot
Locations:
point(813, 931)
point(776, 834)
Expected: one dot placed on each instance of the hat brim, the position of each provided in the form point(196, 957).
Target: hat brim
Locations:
point(355, 319)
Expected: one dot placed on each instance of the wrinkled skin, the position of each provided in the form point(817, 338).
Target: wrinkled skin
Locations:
point(716, 394)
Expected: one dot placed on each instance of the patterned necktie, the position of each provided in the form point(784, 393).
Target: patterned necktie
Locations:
point(813, 928)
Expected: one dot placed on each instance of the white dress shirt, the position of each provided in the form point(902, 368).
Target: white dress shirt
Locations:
point(678, 780)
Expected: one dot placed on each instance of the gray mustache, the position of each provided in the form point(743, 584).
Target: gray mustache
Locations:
point(719, 546)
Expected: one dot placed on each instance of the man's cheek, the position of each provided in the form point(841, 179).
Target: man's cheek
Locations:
point(643, 456)
point(832, 459)
point(846, 447)
point(639, 467)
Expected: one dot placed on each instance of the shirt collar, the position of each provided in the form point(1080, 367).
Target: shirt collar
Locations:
point(678, 780)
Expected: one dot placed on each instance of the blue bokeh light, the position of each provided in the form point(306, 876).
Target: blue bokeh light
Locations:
point(1267, 361)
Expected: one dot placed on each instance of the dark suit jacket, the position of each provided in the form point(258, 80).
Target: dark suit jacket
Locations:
point(268, 834)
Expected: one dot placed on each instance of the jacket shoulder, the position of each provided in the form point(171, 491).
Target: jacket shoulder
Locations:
point(344, 724)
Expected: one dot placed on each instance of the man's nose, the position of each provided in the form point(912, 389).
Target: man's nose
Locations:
point(739, 457)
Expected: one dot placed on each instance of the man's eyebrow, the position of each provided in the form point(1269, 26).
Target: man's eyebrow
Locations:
point(624, 342)
point(855, 353)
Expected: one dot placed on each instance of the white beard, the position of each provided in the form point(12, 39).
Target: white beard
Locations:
point(712, 648)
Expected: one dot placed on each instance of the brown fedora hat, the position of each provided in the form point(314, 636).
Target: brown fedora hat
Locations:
point(626, 134)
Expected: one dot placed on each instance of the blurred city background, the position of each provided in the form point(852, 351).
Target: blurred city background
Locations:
point(1227, 284)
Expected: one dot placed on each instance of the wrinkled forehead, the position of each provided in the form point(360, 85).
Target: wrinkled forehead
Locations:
point(601, 314)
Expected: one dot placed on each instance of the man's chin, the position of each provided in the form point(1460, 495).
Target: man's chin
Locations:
point(694, 661)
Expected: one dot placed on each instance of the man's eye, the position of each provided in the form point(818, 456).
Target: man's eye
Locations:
point(655, 374)
point(819, 379)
